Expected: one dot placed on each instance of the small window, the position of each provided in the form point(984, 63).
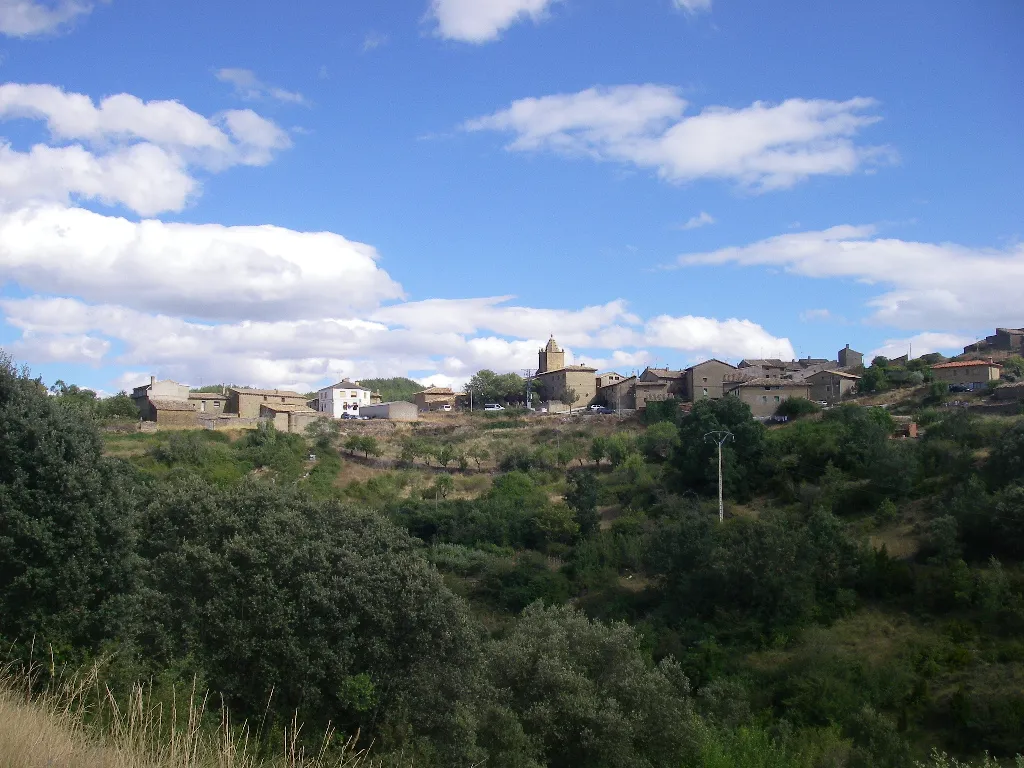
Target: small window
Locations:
point(282, 399)
point(705, 379)
point(705, 391)
point(764, 398)
point(777, 399)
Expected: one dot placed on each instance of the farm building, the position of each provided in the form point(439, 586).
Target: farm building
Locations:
point(397, 411)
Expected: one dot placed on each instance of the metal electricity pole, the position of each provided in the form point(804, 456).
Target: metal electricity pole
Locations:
point(720, 437)
point(528, 375)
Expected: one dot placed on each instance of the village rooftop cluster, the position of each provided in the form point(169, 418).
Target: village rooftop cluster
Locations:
point(763, 384)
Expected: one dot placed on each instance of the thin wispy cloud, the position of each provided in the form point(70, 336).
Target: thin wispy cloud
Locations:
point(373, 40)
point(815, 315)
point(693, 6)
point(702, 219)
point(250, 88)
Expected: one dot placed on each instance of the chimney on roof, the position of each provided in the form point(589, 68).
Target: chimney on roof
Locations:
point(152, 380)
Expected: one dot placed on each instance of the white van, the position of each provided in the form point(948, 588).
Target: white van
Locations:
point(493, 407)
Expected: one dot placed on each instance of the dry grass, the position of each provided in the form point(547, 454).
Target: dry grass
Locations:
point(60, 728)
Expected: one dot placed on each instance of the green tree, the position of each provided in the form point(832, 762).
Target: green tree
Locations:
point(874, 379)
point(323, 433)
point(66, 536)
point(658, 440)
point(119, 406)
point(478, 454)
point(1006, 463)
point(695, 461)
point(569, 691)
point(569, 397)
point(618, 447)
point(581, 496)
point(445, 455)
point(330, 609)
point(598, 449)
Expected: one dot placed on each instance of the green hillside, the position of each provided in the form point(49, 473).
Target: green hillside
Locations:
point(534, 592)
point(392, 390)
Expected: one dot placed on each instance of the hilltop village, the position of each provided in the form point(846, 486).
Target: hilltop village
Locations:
point(763, 384)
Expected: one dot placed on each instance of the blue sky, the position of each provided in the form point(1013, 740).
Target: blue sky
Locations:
point(285, 195)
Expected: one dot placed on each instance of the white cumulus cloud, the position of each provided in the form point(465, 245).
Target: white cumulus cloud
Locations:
point(763, 146)
point(719, 338)
point(480, 21)
point(123, 150)
point(197, 270)
point(923, 344)
point(934, 286)
point(27, 18)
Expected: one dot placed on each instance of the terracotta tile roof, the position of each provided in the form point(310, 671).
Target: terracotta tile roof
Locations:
point(277, 392)
point(436, 391)
point(712, 360)
point(346, 384)
point(206, 396)
point(840, 374)
point(620, 382)
point(569, 368)
point(665, 373)
point(287, 408)
point(967, 364)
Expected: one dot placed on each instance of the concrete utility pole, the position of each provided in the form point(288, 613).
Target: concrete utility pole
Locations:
point(720, 437)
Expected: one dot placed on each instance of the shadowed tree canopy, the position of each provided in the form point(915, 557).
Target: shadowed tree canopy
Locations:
point(65, 521)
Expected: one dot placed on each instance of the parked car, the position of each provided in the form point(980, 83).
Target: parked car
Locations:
point(602, 409)
point(493, 407)
point(596, 407)
point(446, 407)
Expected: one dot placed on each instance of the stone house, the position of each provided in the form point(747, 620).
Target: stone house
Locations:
point(247, 402)
point(345, 397)
point(1005, 340)
point(174, 414)
point(212, 403)
point(434, 398)
point(971, 373)
point(144, 396)
point(645, 392)
point(289, 417)
point(831, 386)
point(764, 396)
point(609, 378)
point(620, 395)
point(577, 377)
point(763, 368)
point(849, 358)
point(706, 380)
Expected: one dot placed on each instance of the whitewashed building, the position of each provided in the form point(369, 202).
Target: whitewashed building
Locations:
point(345, 397)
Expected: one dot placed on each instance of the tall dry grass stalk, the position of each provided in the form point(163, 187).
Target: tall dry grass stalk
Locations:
point(78, 723)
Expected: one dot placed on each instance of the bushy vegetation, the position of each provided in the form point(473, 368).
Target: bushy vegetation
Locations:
point(394, 389)
point(564, 598)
